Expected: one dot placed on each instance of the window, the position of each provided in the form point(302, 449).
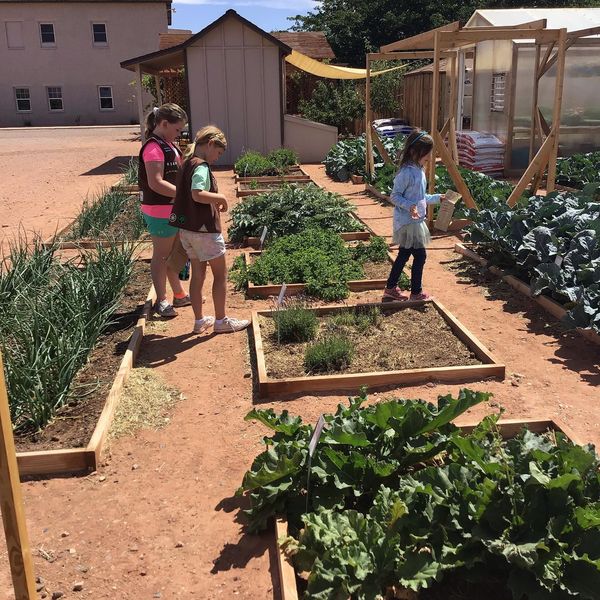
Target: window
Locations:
point(105, 96)
point(47, 34)
point(497, 97)
point(55, 99)
point(23, 99)
point(14, 34)
point(99, 34)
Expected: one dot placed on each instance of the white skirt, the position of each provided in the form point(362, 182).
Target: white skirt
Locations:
point(413, 235)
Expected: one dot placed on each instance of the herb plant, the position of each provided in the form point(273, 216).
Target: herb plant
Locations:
point(295, 323)
point(332, 353)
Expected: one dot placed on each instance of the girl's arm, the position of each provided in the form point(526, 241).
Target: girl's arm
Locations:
point(434, 198)
point(154, 172)
point(204, 197)
point(402, 182)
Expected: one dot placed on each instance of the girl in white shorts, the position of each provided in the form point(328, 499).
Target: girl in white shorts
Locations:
point(197, 213)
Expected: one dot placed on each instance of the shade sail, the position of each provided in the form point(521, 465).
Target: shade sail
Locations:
point(314, 67)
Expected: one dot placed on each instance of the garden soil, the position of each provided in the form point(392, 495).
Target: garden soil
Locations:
point(160, 519)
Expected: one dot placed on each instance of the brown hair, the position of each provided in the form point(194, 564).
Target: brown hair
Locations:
point(418, 144)
point(207, 134)
point(167, 112)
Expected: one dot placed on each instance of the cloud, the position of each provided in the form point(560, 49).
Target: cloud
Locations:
point(298, 5)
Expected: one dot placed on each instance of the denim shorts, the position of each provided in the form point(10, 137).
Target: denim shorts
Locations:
point(159, 227)
point(202, 246)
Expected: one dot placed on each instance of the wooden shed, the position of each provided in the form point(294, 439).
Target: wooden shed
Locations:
point(233, 73)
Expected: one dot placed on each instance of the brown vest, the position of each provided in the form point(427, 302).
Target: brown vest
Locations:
point(191, 215)
point(149, 196)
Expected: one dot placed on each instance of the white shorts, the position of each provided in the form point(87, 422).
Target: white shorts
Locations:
point(202, 246)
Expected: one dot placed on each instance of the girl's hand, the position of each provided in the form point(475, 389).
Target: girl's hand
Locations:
point(442, 197)
point(221, 203)
point(414, 213)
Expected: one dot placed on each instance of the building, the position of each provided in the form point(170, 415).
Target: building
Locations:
point(233, 74)
point(61, 60)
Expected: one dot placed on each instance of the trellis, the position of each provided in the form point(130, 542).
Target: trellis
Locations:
point(447, 42)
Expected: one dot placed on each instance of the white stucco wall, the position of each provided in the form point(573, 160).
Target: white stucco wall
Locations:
point(234, 83)
point(311, 141)
point(75, 64)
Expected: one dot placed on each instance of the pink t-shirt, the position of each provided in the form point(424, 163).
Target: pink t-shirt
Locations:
point(153, 153)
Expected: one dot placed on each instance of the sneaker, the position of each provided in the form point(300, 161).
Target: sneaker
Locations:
point(164, 309)
point(394, 294)
point(203, 324)
point(421, 296)
point(181, 302)
point(230, 325)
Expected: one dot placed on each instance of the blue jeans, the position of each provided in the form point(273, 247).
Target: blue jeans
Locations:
point(416, 276)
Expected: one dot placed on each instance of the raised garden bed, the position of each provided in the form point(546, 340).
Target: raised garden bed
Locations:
point(348, 236)
point(292, 174)
point(74, 440)
point(254, 187)
point(292, 584)
point(124, 227)
point(416, 342)
point(455, 224)
point(376, 278)
point(548, 304)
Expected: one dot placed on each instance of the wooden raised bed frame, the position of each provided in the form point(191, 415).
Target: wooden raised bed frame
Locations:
point(508, 428)
point(549, 305)
point(455, 224)
point(73, 460)
point(297, 173)
point(242, 192)
point(264, 291)
point(490, 368)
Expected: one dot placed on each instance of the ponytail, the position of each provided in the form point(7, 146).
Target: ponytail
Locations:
point(167, 112)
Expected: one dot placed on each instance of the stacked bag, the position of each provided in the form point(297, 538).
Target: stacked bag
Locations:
point(392, 127)
point(480, 151)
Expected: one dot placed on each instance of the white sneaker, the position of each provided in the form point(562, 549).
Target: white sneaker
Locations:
point(230, 325)
point(203, 324)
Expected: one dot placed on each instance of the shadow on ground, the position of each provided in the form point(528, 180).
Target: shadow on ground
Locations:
point(114, 166)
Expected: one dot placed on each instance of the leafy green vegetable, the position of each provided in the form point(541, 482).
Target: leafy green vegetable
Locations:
point(578, 170)
point(254, 164)
point(291, 209)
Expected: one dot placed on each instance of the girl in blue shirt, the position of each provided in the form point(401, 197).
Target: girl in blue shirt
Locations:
point(410, 202)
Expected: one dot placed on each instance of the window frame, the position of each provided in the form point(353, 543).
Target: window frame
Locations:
point(47, 44)
point(22, 46)
point(112, 98)
point(22, 87)
point(62, 101)
point(94, 42)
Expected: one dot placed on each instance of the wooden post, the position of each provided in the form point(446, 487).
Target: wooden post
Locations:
point(13, 515)
point(453, 106)
point(139, 91)
point(534, 103)
point(558, 93)
point(435, 107)
point(370, 162)
point(379, 144)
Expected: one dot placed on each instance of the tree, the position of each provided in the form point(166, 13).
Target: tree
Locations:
point(355, 27)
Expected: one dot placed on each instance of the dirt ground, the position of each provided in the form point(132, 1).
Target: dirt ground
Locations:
point(160, 519)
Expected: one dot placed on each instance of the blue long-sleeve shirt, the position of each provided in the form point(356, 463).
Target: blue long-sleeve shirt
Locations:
point(409, 189)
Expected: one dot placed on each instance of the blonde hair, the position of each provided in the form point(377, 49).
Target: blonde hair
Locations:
point(169, 112)
point(207, 134)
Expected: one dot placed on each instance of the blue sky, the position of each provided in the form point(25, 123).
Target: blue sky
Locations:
point(270, 15)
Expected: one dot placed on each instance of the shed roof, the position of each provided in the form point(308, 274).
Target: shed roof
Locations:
point(429, 68)
point(573, 19)
point(174, 56)
point(172, 38)
point(309, 43)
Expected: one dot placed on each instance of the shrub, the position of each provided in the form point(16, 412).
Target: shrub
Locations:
point(331, 354)
point(295, 324)
point(282, 157)
point(253, 164)
point(360, 319)
point(375, 251)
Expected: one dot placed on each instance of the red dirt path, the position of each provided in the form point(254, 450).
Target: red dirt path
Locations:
point(124, 529)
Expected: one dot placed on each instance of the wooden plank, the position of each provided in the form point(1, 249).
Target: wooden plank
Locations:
point(287, 575)
point(542, 64)
point(539, 162)
point(369, 160)
point(405, 55)
point(544, 124)
point(534, 103)
point(379, 145)
point(13, 512)
point(471, 36)
point(55, 462)
point(556, 114)
point(461, 186)
point(452, 140)
point(102, 428)
point(538, 24)
point(420, 40)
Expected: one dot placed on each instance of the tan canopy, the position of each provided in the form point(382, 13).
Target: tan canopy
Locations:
point(314, 67)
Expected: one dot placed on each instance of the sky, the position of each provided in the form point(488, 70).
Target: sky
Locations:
point(270, 15)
